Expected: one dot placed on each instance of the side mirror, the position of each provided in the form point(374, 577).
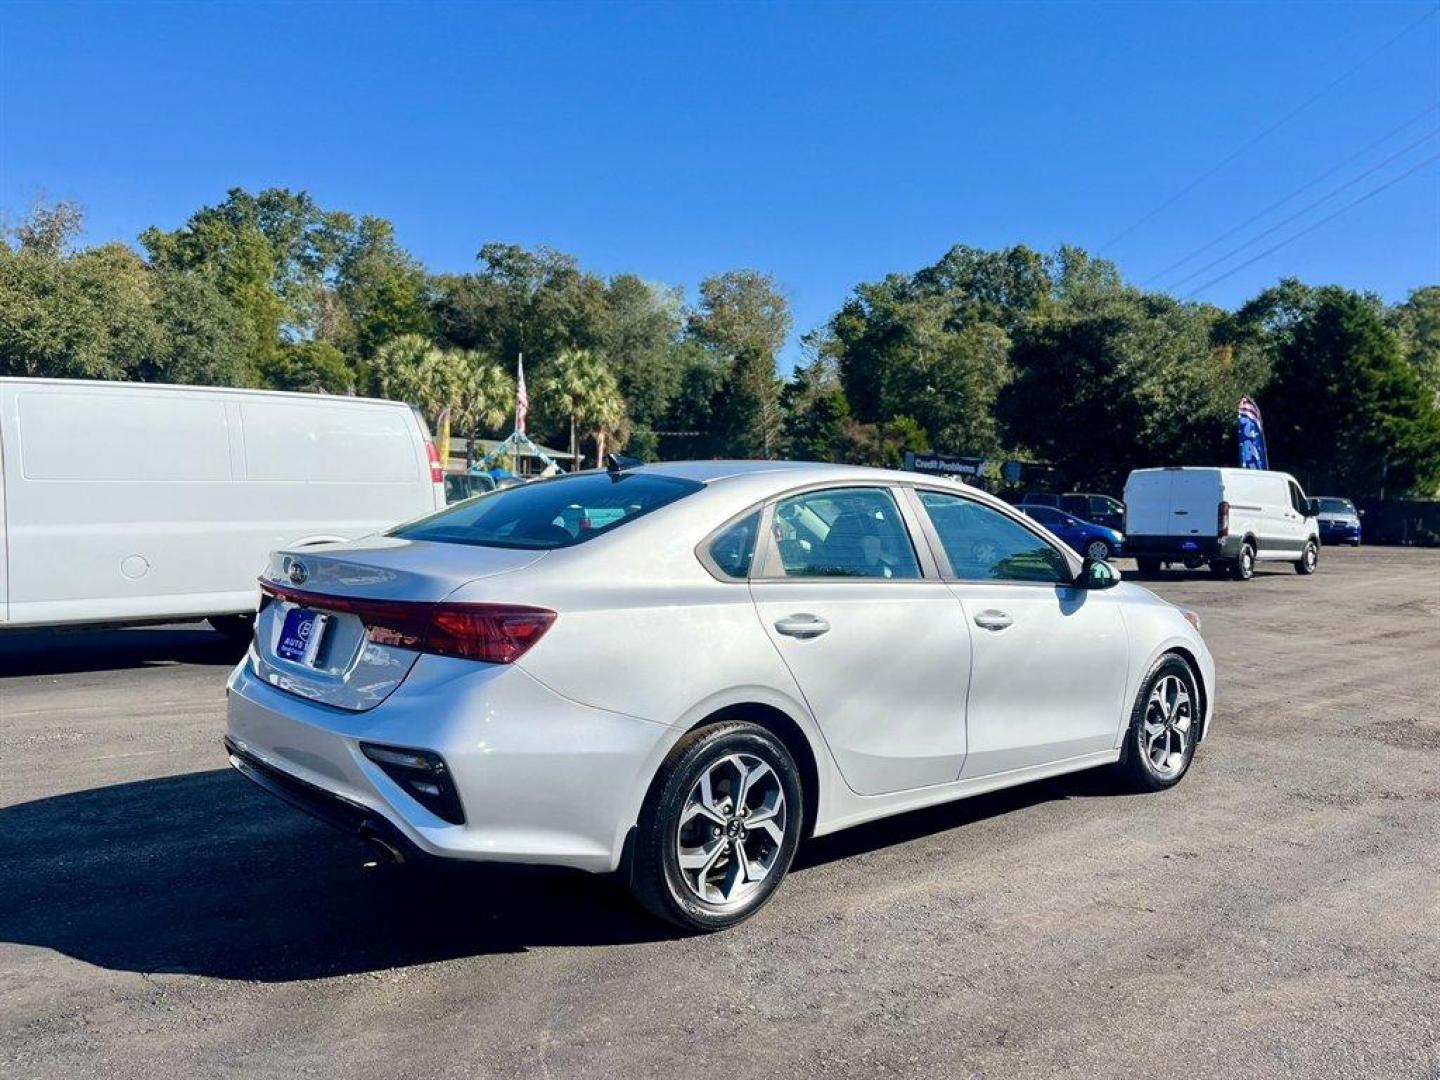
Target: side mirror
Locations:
point(1312, 508)
point(1097, 574)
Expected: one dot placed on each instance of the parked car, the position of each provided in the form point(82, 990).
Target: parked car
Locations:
point(1094, 541)
point(1085, 505)
point(125, 502)
point(1339, 521)
point(738, 656)
point(1230, 518)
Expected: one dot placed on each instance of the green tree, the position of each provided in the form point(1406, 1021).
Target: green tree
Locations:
point(815, 410)
point(455, 389)
point(1345, 409)
point(1417, 322)
point(580, 385)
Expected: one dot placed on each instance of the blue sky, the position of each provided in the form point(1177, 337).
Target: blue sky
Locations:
point(824, 143)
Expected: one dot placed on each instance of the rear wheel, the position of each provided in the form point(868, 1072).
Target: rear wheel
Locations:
point(719, 828)
point(1164, 727)
point(238, 628)
point(1242, 567)
point(1308, 561)
point(1147, 567)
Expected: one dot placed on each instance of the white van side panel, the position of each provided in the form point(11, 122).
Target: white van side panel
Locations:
point(133, 502)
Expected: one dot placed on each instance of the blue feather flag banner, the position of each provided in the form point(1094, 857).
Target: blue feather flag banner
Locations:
point(1252, 437)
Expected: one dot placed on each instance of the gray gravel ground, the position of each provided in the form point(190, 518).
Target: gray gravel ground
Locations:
point(1278, 914)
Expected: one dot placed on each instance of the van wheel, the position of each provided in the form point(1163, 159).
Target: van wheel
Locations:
point(238, 628)
point(719, 828)
point(1164, 725)
point(1243, 566)
point(1147, 567)
point(1308, 561)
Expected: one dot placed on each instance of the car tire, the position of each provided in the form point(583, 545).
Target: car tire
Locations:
point(684, 859)
point(1242, 567)
point(1308, 561)
point(1147, 567)
point(1098, 550)
point(238, 628)
point(1164, 727)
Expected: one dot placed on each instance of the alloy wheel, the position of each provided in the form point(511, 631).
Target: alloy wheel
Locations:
point(1165, 736)
point(731, 829)
point(1098, 550)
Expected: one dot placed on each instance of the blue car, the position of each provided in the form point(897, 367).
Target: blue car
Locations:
point(1094, 541)
point(1339, 521)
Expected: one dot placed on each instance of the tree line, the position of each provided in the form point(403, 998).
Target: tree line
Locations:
point(1006, 353)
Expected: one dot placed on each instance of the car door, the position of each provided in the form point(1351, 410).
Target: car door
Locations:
point(1297, 518)
point(1048, 660)
point(879, 649)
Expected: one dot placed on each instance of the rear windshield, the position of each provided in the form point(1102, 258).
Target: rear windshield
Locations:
point(1336, 506)
point(550, 513)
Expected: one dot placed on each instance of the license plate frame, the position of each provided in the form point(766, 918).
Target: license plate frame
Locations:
point(301, 633)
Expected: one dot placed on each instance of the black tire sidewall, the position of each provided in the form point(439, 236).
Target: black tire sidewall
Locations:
point(661, 818)
point(1244, 568)
point(1138, 765)
point(1311, 548)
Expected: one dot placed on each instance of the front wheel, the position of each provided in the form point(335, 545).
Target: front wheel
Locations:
point(1307, 562)
point(1098, 550)
point(719, 828)
point(1164, 726)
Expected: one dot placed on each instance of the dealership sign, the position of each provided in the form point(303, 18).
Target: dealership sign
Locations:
point(945, 465)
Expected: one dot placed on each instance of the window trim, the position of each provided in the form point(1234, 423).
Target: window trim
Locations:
point(947, 572)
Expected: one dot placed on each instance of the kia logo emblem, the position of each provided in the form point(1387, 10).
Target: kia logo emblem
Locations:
point(298, 572)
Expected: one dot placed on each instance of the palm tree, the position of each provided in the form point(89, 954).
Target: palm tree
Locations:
point(581, 385)
point(452, 388)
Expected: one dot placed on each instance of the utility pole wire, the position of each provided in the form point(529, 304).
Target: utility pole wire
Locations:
point(1263, 135)
point(1303, 210)
point(1311, 228)
point(1281, 202)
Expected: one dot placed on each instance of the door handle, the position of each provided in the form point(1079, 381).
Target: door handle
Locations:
point(802, 626)
point(991, 619)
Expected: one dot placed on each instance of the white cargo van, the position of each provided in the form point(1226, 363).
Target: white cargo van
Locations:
point(128, 502)
point(1226, 517)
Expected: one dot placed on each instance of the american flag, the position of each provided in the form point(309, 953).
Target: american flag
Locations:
point(522, 400)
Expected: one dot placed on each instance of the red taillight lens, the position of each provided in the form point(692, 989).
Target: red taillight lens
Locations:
point(1222, 520)
point(495, 633)
point(437, 470)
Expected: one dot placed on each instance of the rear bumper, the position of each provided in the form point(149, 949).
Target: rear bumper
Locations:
point(542, 779)
point(1178, 548)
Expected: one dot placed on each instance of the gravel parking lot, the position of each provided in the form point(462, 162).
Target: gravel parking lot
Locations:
point(1278, 914)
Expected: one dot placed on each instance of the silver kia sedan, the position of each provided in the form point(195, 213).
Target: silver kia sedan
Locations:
point(678, 672)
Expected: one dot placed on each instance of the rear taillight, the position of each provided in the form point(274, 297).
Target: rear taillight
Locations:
point(437, 471)
point(1222, 520)
point(495, 633)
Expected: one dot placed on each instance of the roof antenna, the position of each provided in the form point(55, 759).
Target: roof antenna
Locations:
point(615, 464)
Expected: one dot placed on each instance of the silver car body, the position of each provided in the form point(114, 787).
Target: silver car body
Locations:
point(922, 691)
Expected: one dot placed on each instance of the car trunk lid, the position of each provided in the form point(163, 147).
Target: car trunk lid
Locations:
point(309, 639)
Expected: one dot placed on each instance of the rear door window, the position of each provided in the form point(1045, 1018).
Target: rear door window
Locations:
point(733, 550)
point(550, 513)
point(844, 532)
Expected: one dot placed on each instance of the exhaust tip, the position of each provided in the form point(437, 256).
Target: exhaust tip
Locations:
point(386, 850)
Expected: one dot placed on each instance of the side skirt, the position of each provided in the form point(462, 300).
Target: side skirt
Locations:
point(858, 809)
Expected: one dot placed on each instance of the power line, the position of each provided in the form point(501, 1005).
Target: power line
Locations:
point(1311, 228)
point(1304, 210)
point(1264, 134)
point(1298, 191)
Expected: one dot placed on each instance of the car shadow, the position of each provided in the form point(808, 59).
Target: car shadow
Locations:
point(917, 824)
point(204, 874)
point(65, 652)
